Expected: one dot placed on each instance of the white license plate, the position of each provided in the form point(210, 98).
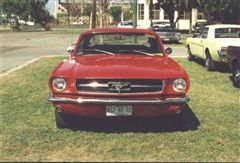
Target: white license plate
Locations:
point(118, 110)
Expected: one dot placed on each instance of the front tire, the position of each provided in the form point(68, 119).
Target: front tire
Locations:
point(209, 63)
point(236, 76)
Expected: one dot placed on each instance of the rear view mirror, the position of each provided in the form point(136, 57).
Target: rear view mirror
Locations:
point(169, 50)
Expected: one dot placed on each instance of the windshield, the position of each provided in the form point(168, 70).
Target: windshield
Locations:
point(119, 43)
point(127, 23)
point(227, 33)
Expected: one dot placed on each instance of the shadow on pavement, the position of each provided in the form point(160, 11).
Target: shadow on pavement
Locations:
point(185, 121)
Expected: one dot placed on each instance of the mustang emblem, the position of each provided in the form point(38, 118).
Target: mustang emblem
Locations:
point(119, 86)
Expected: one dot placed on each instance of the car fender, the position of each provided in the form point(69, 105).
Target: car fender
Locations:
point(211, 46)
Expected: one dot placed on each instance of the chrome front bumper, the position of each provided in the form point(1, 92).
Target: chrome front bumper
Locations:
point(119, 101)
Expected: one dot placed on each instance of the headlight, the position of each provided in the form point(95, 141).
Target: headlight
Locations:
point(59, 84)
point(179, 85)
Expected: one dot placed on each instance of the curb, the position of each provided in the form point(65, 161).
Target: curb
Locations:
point(27, 63)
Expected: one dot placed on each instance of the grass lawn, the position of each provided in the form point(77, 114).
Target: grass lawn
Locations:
point(28, 131)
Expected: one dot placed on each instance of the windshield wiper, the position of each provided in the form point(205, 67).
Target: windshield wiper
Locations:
point(98, 50)
point(141, 52)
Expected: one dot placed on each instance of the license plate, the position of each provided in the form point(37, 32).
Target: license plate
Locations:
point(118, 110)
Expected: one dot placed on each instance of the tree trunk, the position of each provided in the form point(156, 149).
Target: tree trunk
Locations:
point(16, 27)
point(101, 14)
point(93, 14)
point(190, 21)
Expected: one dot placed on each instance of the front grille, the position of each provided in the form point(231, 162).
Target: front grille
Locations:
point(119, 85)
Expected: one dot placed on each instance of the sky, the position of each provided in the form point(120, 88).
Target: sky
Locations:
point(51, 6)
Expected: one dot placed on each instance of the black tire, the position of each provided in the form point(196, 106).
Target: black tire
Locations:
point(236, 76)
point(209, 63)
point(190, 57)
point(62, 120)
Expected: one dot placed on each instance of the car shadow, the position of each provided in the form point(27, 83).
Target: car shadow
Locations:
point(184, 121)
point(220, 66)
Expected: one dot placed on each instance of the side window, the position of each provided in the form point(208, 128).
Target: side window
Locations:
point(204, 33)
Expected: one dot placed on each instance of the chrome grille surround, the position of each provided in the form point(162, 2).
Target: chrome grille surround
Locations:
point(119, 86)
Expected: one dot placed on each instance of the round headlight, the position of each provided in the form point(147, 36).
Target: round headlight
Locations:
point(179, 85)
point(59, 84)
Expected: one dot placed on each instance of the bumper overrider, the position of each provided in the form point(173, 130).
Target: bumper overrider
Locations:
point(176, 100)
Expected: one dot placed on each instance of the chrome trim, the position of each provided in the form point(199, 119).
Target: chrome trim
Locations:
point(128, 93)
point(176, 100)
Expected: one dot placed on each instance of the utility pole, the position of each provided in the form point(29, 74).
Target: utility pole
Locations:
point(151, 12)
point(134, 13)
point(93, 14)
point(68, 13)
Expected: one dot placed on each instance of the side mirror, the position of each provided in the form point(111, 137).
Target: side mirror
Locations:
point(70, 49)
point(169, 50)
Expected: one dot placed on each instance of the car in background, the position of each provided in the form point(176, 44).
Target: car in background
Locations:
point(198, 27)
point(166, 32)
point(125, 24)
point(118, 72)
point(211, 45)
point(77, 23)
point(233, 59)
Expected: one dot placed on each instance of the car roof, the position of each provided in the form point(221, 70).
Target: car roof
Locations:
point(223, 26)
point(118, 30)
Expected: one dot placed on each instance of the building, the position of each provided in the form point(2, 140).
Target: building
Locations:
point(183, 23)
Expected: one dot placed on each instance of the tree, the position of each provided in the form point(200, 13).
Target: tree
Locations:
point(115, 12)
point(87, 10)
point(224, 11)
point(103, 13)
point(170, 6)
point(20, 9)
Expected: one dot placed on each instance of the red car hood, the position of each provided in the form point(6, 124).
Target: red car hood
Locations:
point(120, 66)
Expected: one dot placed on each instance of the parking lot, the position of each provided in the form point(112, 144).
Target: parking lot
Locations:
point(19, 48)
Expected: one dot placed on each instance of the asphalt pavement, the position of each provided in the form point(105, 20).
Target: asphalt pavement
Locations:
point(17, 48)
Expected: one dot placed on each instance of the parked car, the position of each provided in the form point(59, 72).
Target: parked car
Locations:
point(125, 24)
point(77, 23)
point(212, 44)
point(233, 59)
point(198, 27)
point(166, 32)
point(117, 72)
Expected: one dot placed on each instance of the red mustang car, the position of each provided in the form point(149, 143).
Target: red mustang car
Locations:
point(118, 72)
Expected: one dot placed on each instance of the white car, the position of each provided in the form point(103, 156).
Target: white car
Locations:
point(125, 24)
point(212, 43)
point(77, 23)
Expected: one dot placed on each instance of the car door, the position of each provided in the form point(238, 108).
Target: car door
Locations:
point(199, 44)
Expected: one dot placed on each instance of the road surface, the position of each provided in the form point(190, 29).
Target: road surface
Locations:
point(20, 47)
